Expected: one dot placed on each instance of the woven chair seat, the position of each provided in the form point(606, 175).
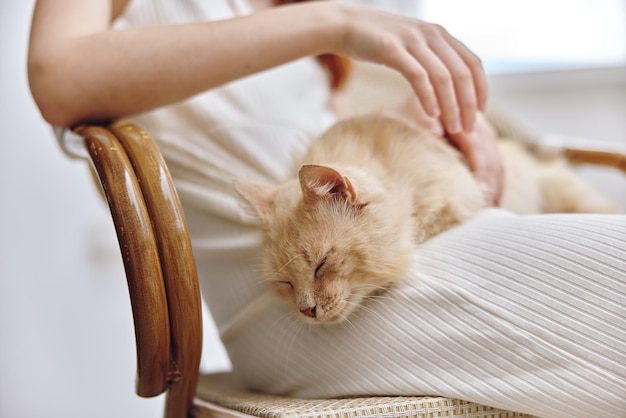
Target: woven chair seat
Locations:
point(223, 391)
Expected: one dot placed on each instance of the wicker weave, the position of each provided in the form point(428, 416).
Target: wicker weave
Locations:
point(222, 392)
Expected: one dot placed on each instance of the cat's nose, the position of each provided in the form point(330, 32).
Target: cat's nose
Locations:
point(310, 312)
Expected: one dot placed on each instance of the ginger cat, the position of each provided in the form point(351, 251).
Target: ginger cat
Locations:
point(370, 190)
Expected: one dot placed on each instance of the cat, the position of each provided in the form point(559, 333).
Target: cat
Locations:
point(370, 190)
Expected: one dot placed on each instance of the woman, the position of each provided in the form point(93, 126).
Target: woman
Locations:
point(514, 312)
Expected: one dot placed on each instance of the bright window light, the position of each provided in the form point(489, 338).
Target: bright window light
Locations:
point(527, 35)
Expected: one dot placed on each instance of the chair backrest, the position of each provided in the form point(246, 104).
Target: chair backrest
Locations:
point(158, 261)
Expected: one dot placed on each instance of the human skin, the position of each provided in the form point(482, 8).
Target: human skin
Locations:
point(80, 70)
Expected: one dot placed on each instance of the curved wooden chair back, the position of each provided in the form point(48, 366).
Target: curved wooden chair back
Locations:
point(161, 270)
point(158, 260)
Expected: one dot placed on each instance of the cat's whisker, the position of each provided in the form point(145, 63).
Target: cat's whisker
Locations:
point(384, 286)
point(265, 280)
point(370, 311)
point(289, 262)
point(254, 285)
point(349, 322)
point(371, 297)
point(277, 326)
point(265, 275)
point(376, 291)
point(359, 307)
point(296, 326)
point(378, 297)
point(288, 315)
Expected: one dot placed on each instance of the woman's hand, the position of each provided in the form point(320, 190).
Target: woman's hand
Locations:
point(446, 76)
point(479, 146)
point(411, 111)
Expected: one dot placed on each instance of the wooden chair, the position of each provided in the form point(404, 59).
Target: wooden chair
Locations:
point(162, 280)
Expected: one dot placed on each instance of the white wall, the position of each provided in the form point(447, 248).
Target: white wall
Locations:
point(587, 103)
point(66, 339)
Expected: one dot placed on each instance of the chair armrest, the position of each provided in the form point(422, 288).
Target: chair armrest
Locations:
point(575, 150)
point(585, 151)
point(588, 156)
point(140, 257)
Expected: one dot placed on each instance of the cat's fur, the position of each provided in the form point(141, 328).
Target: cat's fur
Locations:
point(372, 188)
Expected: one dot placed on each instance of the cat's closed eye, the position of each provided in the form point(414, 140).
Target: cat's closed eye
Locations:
point(285, 283)
point(319, 269)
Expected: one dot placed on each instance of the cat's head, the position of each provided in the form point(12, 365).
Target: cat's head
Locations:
point(329, 240)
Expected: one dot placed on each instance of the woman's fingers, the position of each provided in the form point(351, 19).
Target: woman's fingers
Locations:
point(431, 81)
point(458, 80)
point(475, 65)
point(478, 146)
point(481, 150)
point(418, 76)
point(457, 89)
point(413, 112)
point(446, 76)
point(448, 80)
point(441, 78)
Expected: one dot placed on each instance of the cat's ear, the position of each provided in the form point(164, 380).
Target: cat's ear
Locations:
point(320, 182)
point(261, 196)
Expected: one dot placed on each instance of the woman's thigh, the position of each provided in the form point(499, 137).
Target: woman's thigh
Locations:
point(523, 313)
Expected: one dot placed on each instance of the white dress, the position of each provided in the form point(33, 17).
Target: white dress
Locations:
point(522, 313)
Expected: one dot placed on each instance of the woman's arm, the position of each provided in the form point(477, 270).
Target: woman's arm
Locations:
point(81, 70)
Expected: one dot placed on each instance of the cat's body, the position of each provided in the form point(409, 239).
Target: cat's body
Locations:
point(370, 190)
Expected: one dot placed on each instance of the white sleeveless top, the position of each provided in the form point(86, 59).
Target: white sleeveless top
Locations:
point(253, 128)
point(522, 313)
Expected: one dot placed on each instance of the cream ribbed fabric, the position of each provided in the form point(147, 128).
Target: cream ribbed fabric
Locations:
point(521, 313)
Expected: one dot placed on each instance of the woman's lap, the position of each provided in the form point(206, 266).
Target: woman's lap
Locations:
point(523, 313)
